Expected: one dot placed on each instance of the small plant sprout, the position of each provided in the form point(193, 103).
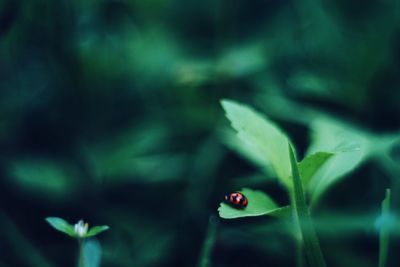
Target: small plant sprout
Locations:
point(89, 250)
point(80, 230)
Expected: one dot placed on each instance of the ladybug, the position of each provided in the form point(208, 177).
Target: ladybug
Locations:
point(237, 200)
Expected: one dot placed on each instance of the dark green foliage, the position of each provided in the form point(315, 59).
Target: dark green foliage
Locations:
point(110, 111)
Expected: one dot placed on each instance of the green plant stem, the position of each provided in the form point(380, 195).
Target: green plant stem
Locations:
point(81, 259)
point(208, 243)
point(299, 253)
point(384, 231)
point(297, 237)
point(311, 245)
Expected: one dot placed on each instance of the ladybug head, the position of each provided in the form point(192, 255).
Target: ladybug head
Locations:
point(227, 196)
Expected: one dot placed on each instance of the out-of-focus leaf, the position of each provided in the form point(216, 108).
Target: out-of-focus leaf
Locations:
point(331, 135)
point(151, 53)
point(308, 83)
point(259, 204)
point(253, 180)
point(131, 143)
point(311, 164)
point(261, 135)
point(96, 230)
point(132, 156)
point(16, 242)
point(193, 74)
point(241, 61)
point(149, 168)
point(62, 226)
point(349, 149)
point(151, 246)
point(44, 176)
point(350, 145)
point(91, 253)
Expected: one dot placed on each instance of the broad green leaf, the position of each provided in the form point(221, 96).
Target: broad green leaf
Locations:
point(230, 139)
point(310, 240)
point(91, 253)
point(311, 164)
point(261, 135)
point(331, 135)
point(282, 212)
point(61, 225)
point(384, 231)
point(349, 149)
point(351, 145)
point(259, 204)
point(97, 230)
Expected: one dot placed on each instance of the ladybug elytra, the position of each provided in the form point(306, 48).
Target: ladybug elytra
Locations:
point(237, 200)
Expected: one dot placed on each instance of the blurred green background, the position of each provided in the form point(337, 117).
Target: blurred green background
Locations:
point(109, 112)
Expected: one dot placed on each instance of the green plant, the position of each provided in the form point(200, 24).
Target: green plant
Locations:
point(385, 229)
point(306, 180)
point(89, 250)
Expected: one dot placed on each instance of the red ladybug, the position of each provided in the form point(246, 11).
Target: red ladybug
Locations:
point(237, 200)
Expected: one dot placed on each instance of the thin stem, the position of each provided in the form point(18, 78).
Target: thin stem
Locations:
point(384, 231)
point(299, 253)
point(81, 259)
point(297, 236)
point(208, 244)
point(311, 245)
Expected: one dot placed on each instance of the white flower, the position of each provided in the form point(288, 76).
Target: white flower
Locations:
point(81, 228)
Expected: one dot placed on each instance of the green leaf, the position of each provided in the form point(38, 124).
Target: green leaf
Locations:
point(96, 230)
point(331, 135)
point(241, 61)
point(230, 139)
point(61, 225)
point(130, 156)
point(384, 231)
point(259, 204)
point(44, 177)
point(311, 164)
point(262, 136)
point(309, 236)
point(349, 148)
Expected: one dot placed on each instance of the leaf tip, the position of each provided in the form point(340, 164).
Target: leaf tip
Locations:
point(225, 103)
point(51, 219)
